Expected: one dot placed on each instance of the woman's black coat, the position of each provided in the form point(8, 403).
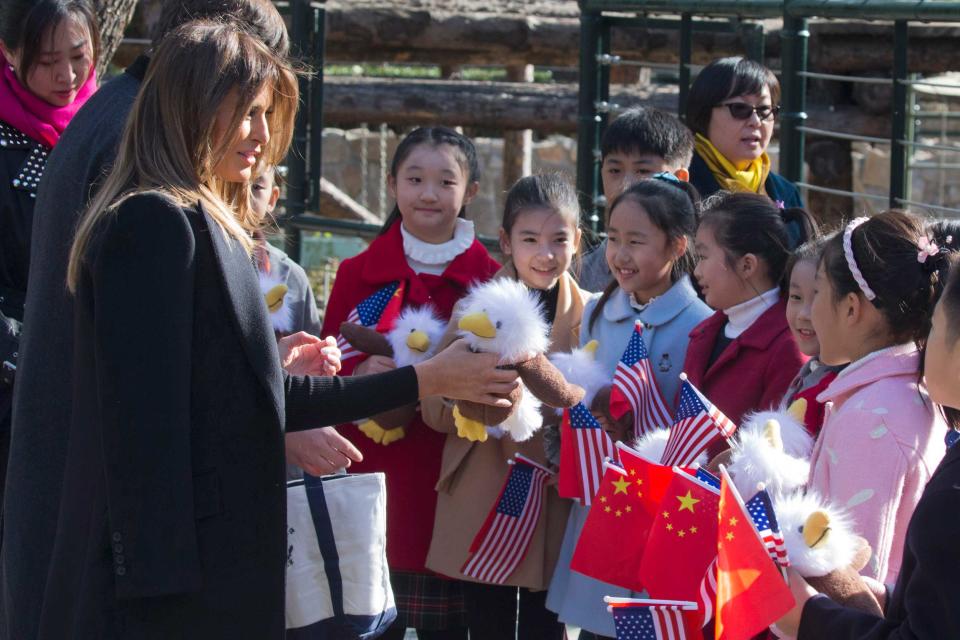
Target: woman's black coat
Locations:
point(172, 521)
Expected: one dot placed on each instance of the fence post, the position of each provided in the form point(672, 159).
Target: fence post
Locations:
point(898, 129)
point(296, 200)
point(686, 53)
point(795, 38)
point(317, 55)
point(587, 123)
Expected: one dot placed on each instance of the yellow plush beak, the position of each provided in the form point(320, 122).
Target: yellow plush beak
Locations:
point(478, 324)
point(771, 431)
point(275, 296)
point(591, 347)
point(816, 529)
point(418, 341)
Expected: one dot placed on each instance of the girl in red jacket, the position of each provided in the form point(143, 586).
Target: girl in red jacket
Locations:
point(429, 248)
point(744, 357)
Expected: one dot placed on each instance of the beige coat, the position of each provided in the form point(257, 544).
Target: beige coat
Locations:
point(472, 473)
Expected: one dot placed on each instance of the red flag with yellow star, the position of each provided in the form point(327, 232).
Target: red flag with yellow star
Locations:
point(751, 591)
point(611, 543)
point(683, 539)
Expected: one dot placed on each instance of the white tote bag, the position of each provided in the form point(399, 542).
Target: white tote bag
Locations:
point(338, 582)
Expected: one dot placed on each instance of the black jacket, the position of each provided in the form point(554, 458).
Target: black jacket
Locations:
point(42, 401)
point(172, 522)
point(925, 603)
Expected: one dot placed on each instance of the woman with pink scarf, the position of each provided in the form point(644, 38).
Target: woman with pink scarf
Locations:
point(48, 51)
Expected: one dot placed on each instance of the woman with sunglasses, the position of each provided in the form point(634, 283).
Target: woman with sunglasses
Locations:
point(732, 108)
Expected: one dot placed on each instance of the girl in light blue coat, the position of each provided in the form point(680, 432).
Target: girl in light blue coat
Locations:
point(648, 250)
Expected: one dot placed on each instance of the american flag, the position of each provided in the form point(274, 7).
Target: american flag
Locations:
point(370, 313)
point(707, 478)
point(635, 387)
point(593, 445)
point(761, 512)
point(708, 592)
point(503, 539)
point(651, 619)
point(699, 424)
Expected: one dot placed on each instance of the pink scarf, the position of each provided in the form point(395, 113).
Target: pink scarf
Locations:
point(37, 118)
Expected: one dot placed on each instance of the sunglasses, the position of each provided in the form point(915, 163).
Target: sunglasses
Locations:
point(742, 110)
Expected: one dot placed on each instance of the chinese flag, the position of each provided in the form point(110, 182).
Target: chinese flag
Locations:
point(683, 539)
point(614, 535)
point(568, 479)
point(751, 591)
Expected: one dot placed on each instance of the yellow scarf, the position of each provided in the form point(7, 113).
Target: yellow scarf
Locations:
point(728, 176)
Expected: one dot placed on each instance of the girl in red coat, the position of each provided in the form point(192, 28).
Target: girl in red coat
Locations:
point(744, 357)
point(429, 248)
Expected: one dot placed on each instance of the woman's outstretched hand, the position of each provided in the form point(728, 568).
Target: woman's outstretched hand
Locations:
point(459, 374)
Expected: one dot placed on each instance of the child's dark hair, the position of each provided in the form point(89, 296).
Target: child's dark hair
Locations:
point(946, 233)
point(807, 252)
point(26, 25)
point(745, 223)
point(723, 79)
point(552, 190)
point(434, 136)
point(885, 250)
point(671, 206)
point(649, 130)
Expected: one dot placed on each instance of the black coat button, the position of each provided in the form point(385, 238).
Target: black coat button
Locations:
point(121, 571)
point(117, 537)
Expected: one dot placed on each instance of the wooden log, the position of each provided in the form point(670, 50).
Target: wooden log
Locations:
point(400, 33)
point(549, 108)
point(334, 203)
point(517, 144)
point(405, 34)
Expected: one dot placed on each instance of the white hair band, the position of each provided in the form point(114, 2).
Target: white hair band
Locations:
point(852, 261)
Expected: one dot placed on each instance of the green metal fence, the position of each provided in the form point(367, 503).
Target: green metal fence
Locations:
point(599, 16)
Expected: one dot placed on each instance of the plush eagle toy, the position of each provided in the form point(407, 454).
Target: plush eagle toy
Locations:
point(771, 448)
point(502, 316)
point(414, 338)
point(824, 549)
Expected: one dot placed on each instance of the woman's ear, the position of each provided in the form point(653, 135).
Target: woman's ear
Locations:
point(504, 241)
point(13, 57)
point(472, 190)
point(680, 246)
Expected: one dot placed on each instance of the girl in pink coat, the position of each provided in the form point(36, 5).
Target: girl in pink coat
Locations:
point(876, 286)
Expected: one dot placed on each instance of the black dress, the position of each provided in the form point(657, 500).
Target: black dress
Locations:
point(172, 520)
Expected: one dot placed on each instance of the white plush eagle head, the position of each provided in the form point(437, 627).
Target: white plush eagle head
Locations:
point(581, 368)
point(819, 538)
point(772, 449)
point(415, 335)
point(502, 316)
point(274, 290)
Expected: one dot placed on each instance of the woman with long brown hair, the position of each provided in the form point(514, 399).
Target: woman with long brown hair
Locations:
point(172, 518)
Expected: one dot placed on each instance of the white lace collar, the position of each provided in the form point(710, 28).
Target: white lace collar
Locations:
point(438, 254)
point(741, 316)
